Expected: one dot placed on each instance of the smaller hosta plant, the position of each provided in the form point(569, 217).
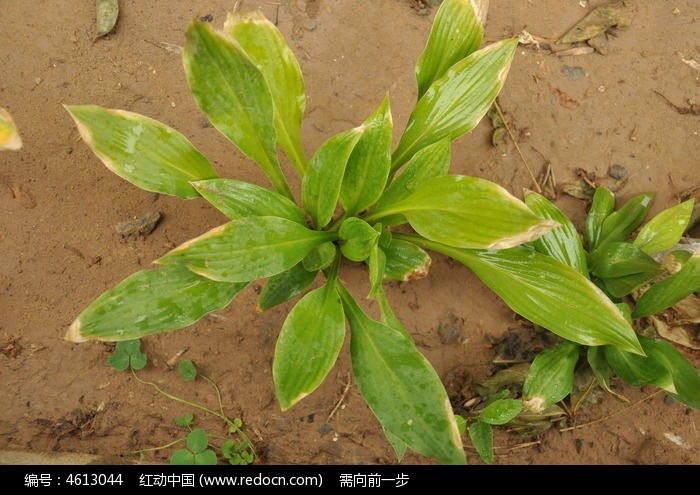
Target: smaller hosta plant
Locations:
point(625, 257)
point(354, 190)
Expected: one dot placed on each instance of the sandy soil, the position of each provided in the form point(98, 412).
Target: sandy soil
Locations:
point(60, 206)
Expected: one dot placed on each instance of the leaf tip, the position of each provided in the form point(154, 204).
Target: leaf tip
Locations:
point(532, 233)
point(454, 428)
point(73, 334)
point(536, 403)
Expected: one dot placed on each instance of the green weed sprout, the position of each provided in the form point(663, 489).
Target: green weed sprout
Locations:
point(128, 355)
point(354, 191)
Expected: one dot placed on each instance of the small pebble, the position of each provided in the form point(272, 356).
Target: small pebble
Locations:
point(574, 73)
point(207, 18)
point(617, 172)
point(310, 25)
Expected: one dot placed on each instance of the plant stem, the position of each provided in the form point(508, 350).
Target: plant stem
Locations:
point(535, 184)
point(232, 426)
point(184, 401)
point(218, 392)
point(155, 449)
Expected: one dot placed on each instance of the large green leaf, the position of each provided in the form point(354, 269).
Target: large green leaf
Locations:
point(620, 224)
point(468, 212)
point(455, 103)
point(308, 344)
point(368, 167)
point(266, 47)
point(457, 31)
point(284, 286)
point(401, 387)
point(546, 292)
point(141, 150)
point(603, 205)
point(665, 229)
point(234, 95)
point(320, 188)
point(405, 261)
point(551, 376)
point(670, 290)
point(432, 161)
point(238, 199)
point(151, 301)
point(247, 249)
point(562, 243)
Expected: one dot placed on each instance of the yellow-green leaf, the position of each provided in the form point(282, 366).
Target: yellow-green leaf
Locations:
point(266, 47)
point(665, 229)
point(9, 136)
point(430, 162)
point(147, 153)
point(234, 95)
point(603, 205)
point(405, 261)
point(620, 224)
point(401, 387)
point(546, 292)
point(238, 199)
point(247, 249)
point(151, 301)
point(320, 188)
point(454, 104)
point(468, 212)
point(563, 242)
point(368, 167)
point(308, 344)
point(457, 31)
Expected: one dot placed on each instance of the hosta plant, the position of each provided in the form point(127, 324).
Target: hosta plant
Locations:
point(355, 191)
point(645, 268)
